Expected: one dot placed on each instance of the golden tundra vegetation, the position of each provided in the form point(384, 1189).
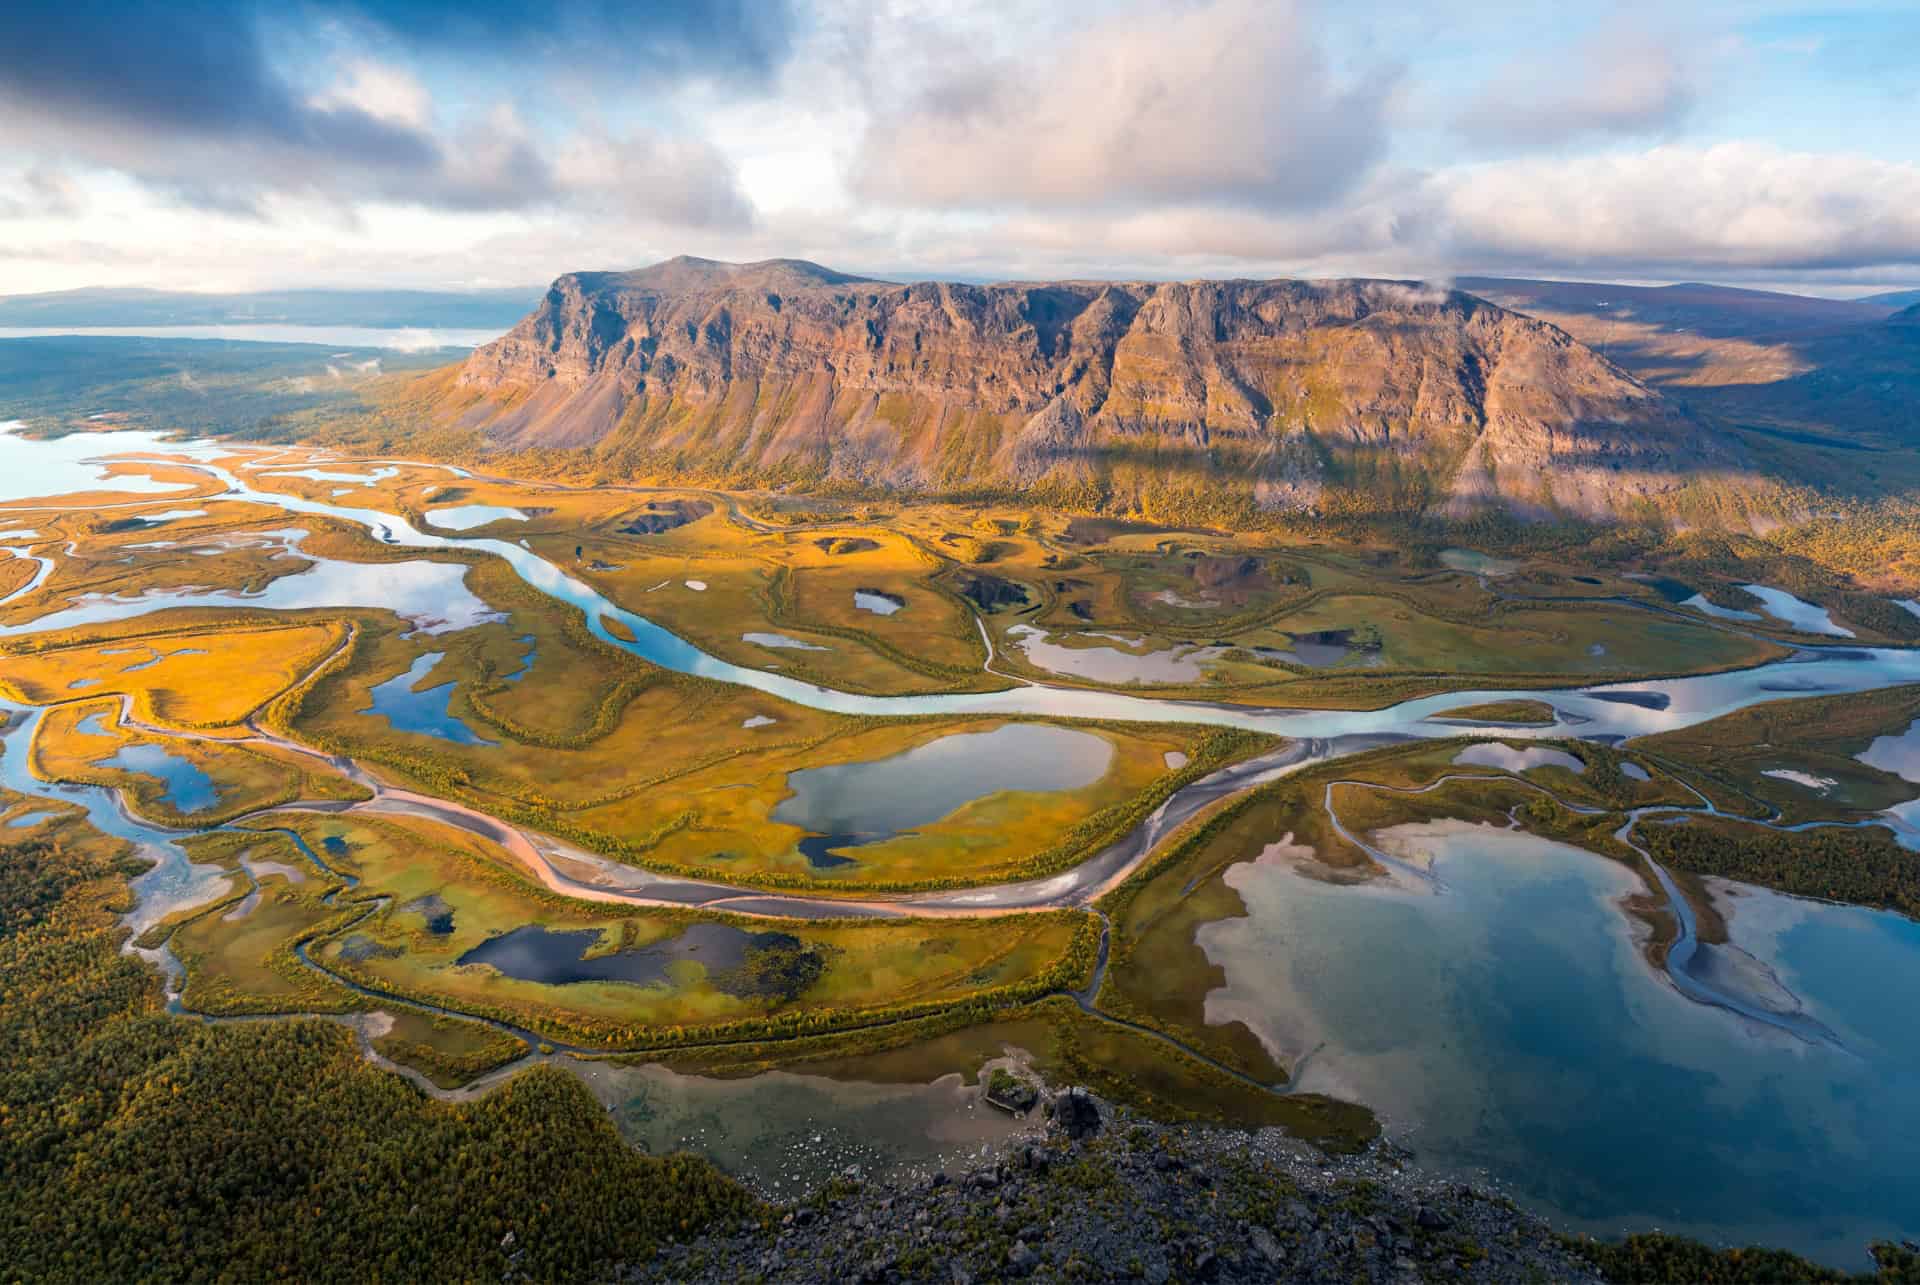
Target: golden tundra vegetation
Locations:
point(335, 904)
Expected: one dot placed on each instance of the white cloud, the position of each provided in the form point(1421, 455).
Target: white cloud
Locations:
point(1222, 101)
point(380, 90)
point(1732, 205)
point(41, 192)
point(1625, 80)
point(646, 173)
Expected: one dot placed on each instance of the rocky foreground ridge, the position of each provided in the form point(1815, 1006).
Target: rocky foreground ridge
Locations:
point(1106, 1196)
point(1336, 396)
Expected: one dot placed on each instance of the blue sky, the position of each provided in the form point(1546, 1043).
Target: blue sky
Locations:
point(222, 145)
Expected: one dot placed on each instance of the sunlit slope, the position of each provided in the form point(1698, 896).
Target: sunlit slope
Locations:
point(1215, 398)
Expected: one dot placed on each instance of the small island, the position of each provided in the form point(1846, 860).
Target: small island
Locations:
point(1518, 713)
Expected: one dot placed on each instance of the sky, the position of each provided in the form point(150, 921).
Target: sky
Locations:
point(226, 145)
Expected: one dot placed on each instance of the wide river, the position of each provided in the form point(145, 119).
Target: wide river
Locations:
point(1502, 1019)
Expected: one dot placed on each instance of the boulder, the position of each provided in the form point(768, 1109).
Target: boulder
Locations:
point(1077, 1113)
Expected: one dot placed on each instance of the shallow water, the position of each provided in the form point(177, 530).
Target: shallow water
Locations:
point(173, 883)
point(379, 474)
point(465, 517)
point(1183, 664)
point(1804, 616)
point(1899, 755)
point(1700, 604)
point(880, 604)
point(1805, 780)
point(1515, 759)
point(1309, 653)
point(556, 957)
point(1510, 1027)
point(188, 788)
point(930, 781)
point(433, 596)
point(780, 641)
point(1476, 563)
point(63, 466)
point(424, 713)
point(785, 1134)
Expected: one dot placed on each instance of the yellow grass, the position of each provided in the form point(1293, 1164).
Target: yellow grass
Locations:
point(211, 679)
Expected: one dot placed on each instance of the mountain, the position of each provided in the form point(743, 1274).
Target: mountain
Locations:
point(1721, 312)
point(1163, 396)
point(1892, 299)
point(467, 310)
point(1838, 376)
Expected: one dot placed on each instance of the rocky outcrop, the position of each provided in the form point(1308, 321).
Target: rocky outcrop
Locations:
point(1177, 397)
point(1138, 1202)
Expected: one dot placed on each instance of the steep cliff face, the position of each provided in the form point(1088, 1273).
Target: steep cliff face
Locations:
point(1284, 394)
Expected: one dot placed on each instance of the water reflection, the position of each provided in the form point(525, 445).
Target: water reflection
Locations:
point(424, 713)
point(1511, 1027)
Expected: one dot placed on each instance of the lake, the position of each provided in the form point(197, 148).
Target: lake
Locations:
point(1509, 1027)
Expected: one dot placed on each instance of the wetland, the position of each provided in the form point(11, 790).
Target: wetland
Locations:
point(940, 833)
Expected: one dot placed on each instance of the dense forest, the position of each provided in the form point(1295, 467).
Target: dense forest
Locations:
point(135, 1144)
point(1864, 866)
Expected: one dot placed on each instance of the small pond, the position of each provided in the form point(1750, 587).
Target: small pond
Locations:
point(434, 910)
point(882, 798)
point(159, 656)
point(1805, 780)
point(780, 641)
point(424, 713)
point(1802, 615)
point(1115, 664)
point(1899, 755)
point(1700, 604)
point(557, 957)
point(27, 820)
point(880, 604)
point(465, 517)
point(378, 474)
point(1316, 650)
point(188, 788)
point(1508, 758)
point(1476, 563)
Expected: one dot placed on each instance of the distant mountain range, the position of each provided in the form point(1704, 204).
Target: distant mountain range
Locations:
point(1893, 298)
point(428, 309)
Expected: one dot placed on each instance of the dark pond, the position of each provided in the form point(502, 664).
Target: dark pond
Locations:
point(556, 957)
point(437, 913)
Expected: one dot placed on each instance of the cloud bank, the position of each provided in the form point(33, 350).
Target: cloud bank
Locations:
point(348, 142)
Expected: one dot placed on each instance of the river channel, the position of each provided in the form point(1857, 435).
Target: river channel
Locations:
point(1502, 1019)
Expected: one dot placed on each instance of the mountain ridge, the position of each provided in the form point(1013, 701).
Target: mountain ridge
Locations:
point(1273, 395)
